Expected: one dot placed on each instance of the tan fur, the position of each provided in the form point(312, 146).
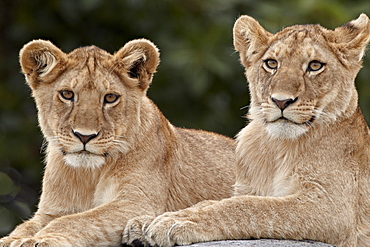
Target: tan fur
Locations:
point(137, 163)
point(304, 176)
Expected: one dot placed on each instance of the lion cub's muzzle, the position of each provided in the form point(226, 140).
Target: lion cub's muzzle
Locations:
point(287, 117)
point(288, 108)
point(85, 143)
point(84, 150)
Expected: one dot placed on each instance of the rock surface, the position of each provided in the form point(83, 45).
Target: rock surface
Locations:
point(262, 243)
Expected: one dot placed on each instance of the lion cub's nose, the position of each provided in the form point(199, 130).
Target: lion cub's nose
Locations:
point(84, 138)
point(282, 104)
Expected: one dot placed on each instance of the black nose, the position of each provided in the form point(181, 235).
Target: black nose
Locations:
point(282, 104)
point(84, 138)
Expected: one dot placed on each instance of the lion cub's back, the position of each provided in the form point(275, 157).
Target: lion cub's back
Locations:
point(209, 146)
point(205, 166)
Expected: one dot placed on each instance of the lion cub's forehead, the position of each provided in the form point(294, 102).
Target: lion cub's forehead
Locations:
point(298, 41)
point(91, 58)
point(91, 68)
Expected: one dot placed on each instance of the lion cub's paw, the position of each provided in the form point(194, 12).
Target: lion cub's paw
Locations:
point(47, 241)
point(133, 233)
point(10, 241)
point(170, 229)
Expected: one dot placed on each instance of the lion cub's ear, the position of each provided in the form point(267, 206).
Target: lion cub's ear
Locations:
point(250, 38)
point(38, 60)
point(351, 38)
point(140, 59)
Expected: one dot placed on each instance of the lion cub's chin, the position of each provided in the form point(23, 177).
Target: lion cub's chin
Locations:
point(284, 129)
point(84, 160)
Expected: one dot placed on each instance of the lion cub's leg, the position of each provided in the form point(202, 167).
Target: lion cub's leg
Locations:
point(245, 217)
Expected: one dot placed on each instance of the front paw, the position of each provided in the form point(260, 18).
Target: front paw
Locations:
point(133, 233)
point(10, 241)
point(170, 229)
point(52, 240)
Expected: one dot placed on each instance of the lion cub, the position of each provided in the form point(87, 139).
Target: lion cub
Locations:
point(303, 168)
point(111, 154)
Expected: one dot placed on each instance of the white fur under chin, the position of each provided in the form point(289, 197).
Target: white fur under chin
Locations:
point(285, 130)
point(84, 160)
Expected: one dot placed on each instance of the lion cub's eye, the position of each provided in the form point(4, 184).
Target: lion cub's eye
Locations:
point(110, 98)
point(271, 63)
point(68, 95)
point(315, 65)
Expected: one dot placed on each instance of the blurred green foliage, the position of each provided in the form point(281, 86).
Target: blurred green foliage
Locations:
point(199, 84)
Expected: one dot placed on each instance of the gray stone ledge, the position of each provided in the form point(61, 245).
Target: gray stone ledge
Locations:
point(262, 243)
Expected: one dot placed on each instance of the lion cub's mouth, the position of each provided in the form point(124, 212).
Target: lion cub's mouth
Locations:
point(84, 153)
point(284, 119)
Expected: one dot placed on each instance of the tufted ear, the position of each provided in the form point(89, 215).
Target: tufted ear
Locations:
point(351, 38)
point(38, 60)
point(140, 59)
point(249, 38)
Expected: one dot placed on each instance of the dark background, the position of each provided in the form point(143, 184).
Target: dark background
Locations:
point(199, 84)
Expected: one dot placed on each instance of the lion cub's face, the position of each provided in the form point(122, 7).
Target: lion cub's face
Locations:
point(89, 100)
point(294, 71)
point(302, 76)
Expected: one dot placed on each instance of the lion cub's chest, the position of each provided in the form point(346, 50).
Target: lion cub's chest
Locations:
point(265, 168)
point(267, 179)
point(106, 191)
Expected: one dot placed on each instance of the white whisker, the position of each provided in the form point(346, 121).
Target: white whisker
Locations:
point(121, 144)
point(326, 118)
point(122, 137)
point(244, 107)
point(43, 145)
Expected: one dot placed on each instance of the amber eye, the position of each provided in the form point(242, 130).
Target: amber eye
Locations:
point(315, 65)
point(68, 95)
point(271, 63)
point(110, 98)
